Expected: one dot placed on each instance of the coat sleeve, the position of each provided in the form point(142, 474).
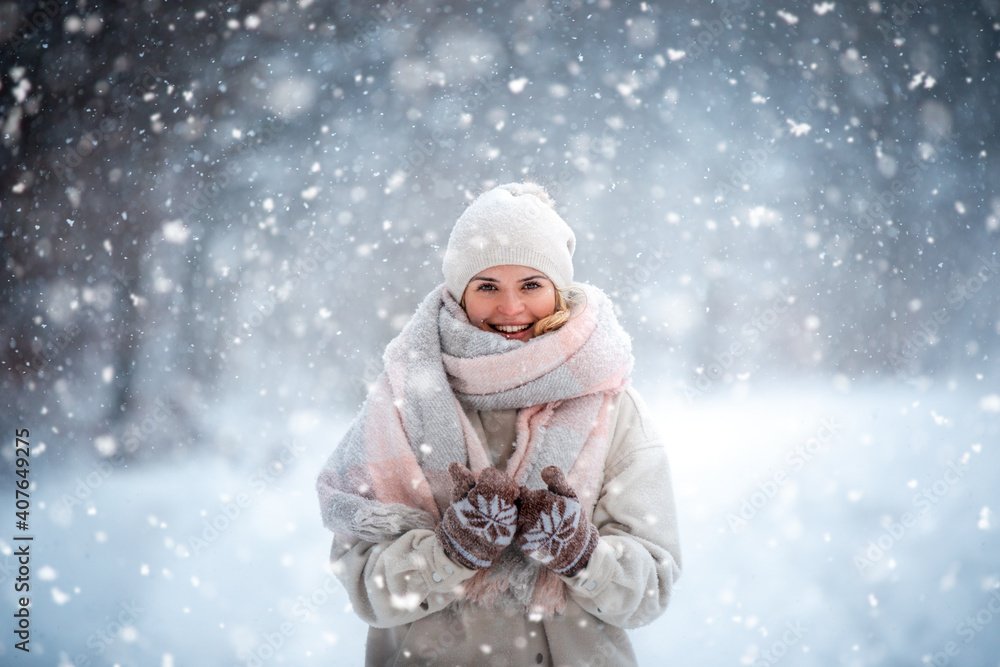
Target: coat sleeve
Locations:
point(630, 575)
point(398, 581)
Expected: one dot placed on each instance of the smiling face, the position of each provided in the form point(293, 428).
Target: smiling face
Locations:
point(508, 300)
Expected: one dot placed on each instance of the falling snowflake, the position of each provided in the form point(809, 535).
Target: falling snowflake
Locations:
point(798, 129)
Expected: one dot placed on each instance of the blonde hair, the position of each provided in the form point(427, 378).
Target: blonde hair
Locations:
point(566, 297)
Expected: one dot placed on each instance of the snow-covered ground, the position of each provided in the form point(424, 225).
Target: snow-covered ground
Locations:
point(792, 509)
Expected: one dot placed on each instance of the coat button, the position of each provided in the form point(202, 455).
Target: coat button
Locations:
point(436, 577)
point(539, 659)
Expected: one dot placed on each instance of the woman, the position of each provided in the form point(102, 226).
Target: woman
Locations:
point(503, 498)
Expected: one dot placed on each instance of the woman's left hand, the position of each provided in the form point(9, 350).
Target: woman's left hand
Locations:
point(552, 527)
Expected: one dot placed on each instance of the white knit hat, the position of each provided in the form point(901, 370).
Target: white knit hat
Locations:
point(514, 224)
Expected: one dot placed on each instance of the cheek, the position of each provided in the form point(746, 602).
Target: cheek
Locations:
point(544, 305)
point(475, 309)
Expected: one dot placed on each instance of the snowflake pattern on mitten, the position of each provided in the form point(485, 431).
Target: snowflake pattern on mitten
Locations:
point(492, 518)
point(552, 528)
point(482, 519)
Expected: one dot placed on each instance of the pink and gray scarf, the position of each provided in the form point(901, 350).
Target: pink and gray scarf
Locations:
point(390, 472)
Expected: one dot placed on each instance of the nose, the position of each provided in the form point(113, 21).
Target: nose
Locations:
point(510, 303)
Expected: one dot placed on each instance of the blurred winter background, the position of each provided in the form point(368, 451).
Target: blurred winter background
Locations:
point(216, 215)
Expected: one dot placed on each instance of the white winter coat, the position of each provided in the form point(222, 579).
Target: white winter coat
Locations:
point(403, 588)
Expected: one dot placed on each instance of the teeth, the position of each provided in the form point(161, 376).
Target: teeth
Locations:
point(507, 329)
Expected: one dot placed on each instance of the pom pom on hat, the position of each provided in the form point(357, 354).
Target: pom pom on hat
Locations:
point(515, 224)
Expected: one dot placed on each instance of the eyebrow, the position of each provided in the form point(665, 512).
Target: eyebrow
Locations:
point(522, 280)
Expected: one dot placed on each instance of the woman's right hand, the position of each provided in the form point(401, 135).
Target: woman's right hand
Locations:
point(482, 518)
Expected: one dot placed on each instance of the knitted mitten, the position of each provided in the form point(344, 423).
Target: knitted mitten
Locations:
point(552, 528)
point(482, 518)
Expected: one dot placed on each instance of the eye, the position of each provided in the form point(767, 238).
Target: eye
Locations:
point(532, 285)
point(485, 287)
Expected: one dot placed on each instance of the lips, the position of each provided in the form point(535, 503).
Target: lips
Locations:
point(510, 328)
